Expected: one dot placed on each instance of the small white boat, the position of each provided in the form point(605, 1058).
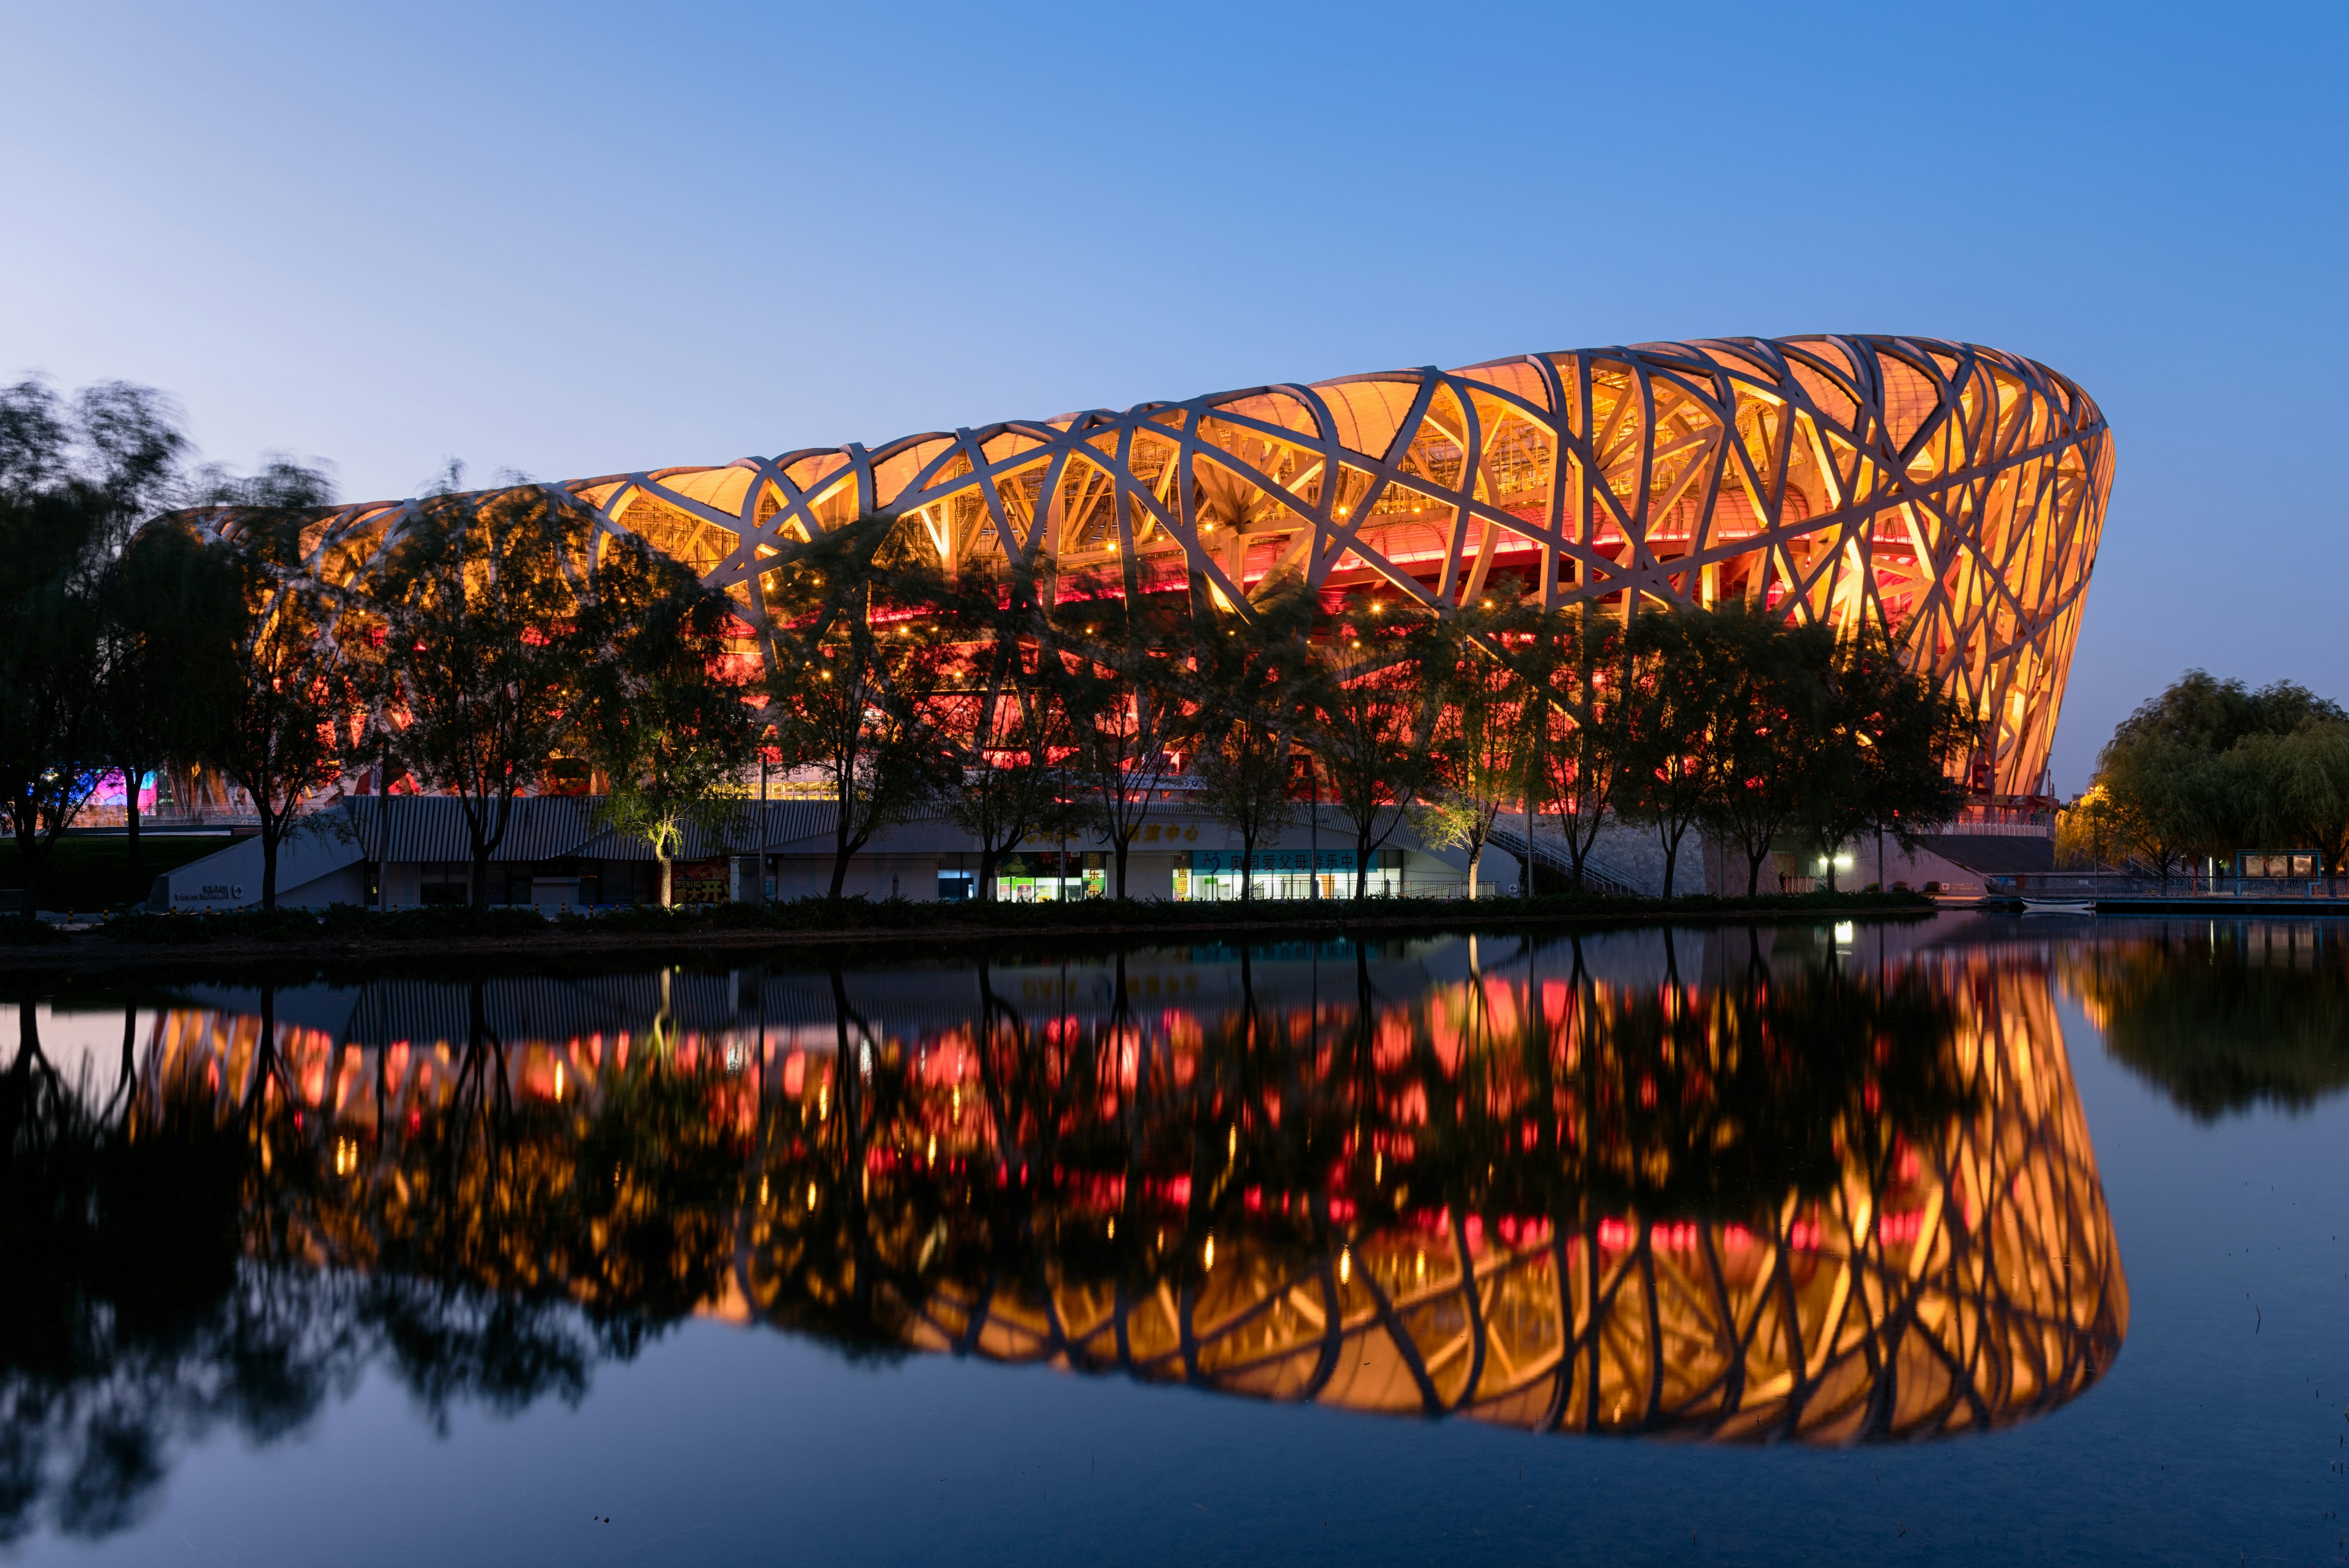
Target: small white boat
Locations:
point(2044, 906)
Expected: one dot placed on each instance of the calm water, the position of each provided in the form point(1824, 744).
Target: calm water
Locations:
point(1980, 1239)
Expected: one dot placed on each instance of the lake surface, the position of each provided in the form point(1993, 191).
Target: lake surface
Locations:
point(1981, 1238)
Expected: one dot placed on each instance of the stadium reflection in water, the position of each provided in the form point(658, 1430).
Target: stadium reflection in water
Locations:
point(1738, 1186)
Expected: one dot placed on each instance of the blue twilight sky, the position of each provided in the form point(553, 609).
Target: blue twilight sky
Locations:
point(574, 239)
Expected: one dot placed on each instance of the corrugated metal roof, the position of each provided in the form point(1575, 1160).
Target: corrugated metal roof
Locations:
point(789, 825)
point(432, 827)
point(555, 827)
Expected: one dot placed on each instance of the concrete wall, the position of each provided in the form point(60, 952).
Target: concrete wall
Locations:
point(1149, 874)
point(1633, 852)
point(913, 877)
point(1926, 864)
point(346, 885)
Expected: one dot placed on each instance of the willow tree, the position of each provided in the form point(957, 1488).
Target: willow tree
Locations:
point(2166, 782)
point(1251, 679)
point(2162, 800)
point(77, 479)
point(491, 636)
point(158, 608)
point(1120, 668)
point(2297, 786)
point(665, 712)
point(285, 705)
point(1369, 722)
point(855, 669)
point(53, 740)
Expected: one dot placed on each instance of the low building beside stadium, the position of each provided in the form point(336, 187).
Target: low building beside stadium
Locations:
point(403, 851)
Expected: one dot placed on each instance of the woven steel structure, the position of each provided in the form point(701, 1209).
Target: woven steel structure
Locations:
point(1950, 493)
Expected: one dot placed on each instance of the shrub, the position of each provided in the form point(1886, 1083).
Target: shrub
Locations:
point(24, 931)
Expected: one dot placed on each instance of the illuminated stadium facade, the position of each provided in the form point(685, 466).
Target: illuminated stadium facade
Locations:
point(1950, 494)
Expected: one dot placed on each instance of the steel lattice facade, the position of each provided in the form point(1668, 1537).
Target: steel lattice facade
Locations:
point(1949, 493)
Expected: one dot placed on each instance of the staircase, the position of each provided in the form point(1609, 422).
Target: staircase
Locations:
point(1596, 877)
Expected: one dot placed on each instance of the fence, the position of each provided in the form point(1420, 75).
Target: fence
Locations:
point(2037, 825)
point(2139, 885)
point(113, 819)
point(1340, 885)
point(1849, 884)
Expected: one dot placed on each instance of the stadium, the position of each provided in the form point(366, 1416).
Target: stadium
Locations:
point(1949, 493)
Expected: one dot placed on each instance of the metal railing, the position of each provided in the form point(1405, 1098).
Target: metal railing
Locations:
point(109, 820)
point(2140, 884)
point(1596, 876)
point(1447, 890)
point(1995, 827)
point(1848, 884)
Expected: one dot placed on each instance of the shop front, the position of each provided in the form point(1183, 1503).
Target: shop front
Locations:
point(704, 881)
point(1214, 876)
point(1050, 876)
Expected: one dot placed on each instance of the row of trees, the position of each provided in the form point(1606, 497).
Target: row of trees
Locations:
point(501, 642)
point(1034, 706)
point(84, 685)
point(1730, 725)
point(2210, 767)
point(498, 647)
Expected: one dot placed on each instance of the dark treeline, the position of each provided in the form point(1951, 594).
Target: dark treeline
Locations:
point(489, 644)
point(2210, 767)
point(83, 688)
point(155, 613)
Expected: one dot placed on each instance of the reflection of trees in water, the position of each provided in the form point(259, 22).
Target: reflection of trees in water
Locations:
point(2223, 1015)
point(1799, 1200)
point(1296, 1132)
point(1810, 1205)
point(183, 1253)
point(129, 1320)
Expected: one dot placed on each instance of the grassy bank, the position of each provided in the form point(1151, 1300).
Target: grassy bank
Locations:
point(93, 872)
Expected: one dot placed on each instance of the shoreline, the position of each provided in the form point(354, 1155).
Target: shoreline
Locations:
point(218, 942)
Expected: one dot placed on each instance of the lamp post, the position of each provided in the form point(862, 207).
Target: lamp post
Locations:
point(1313, 824)
point(383, 827)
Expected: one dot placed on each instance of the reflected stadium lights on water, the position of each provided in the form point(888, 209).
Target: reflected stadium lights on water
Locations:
point(1768, 1200)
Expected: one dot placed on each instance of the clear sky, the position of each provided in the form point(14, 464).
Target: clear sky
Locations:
point(581, 238)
